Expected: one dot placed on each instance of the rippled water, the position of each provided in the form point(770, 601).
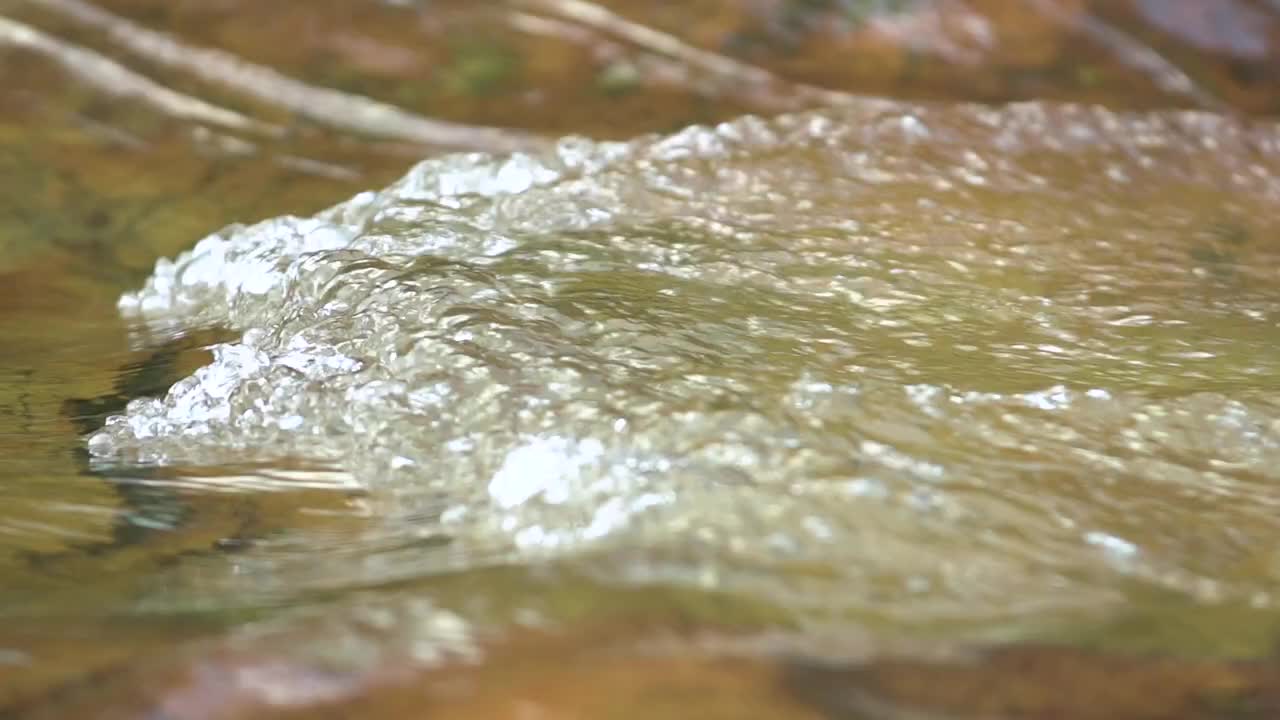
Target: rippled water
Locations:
point(912, 364)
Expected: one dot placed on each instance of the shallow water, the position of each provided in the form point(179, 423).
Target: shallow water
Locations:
point(889, 380)
point(789, 359)
point(989, 374)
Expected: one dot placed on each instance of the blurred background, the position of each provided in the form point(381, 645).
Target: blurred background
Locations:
point(162, 119)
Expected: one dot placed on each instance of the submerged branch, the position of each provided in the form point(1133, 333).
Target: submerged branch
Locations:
point(1131, 52)
point(323, 105)
point(591, 15)
point(115, 79)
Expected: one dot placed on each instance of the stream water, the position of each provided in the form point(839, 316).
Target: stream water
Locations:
point(778, 417)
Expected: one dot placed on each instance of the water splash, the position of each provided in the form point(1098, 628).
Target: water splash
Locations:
point(881, 358)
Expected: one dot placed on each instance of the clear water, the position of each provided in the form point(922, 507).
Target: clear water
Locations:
point(976, 377)
point(910, 366)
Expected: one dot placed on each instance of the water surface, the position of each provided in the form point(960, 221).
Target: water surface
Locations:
point(890, 379)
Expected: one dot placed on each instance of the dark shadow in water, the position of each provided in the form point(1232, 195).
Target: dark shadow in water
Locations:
point(149, 508)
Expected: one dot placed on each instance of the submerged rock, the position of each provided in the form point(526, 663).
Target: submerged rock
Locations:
point(639, 670)
point(919, 362)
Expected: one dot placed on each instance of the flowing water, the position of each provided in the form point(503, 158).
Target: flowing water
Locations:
point(713, 414)
point(790, 359)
